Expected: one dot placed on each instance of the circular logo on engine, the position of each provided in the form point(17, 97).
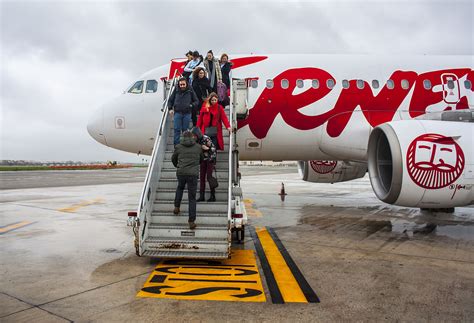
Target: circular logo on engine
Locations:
point(434, 161)
point(323, 166)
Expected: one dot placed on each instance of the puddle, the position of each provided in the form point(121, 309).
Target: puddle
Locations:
point(454, 231)
point(338, 224)
point(111, 250)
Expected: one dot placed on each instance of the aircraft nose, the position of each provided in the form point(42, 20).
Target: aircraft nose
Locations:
point(95, 126)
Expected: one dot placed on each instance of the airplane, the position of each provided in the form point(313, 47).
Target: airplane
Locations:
point(407, 120)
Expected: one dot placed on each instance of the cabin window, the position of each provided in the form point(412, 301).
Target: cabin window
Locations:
point(315, 84)
point(427, 84)
point(450, 84)
point(390, 84)
point(345, 84)
point(330, 83)
point(285, 84)
point(467, 84)
point(151, 86)
point(136, 88)
point(405, 84)
point(254, 84)
point(299, 83)
point(375, 84)
point(269, 84)
point(360, 84)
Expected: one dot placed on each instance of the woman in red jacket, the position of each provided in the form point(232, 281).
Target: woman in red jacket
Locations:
point(211, 118)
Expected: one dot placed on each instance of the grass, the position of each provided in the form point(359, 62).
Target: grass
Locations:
point(85, 167)
point(15, 168)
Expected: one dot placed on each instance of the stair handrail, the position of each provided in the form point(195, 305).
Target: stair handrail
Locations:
point(231, 162)
point(164, 109)
point(146, 192)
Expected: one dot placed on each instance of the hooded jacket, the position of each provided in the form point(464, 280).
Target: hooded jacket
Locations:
point(202, 88)
point(183, 101)
point(187, 156)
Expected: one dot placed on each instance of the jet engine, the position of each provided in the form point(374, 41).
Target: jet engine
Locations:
point(330, 171)
point(423, 163)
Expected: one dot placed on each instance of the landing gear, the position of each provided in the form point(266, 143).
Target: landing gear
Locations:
point(240, 234)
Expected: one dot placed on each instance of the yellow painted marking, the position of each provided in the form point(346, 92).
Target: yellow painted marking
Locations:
point(234, 279)
point(289, 287)
point(73, 208)
point(14, 226)
point(250, 209)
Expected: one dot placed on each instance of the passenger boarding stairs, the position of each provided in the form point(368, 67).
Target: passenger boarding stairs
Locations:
point(160, 233)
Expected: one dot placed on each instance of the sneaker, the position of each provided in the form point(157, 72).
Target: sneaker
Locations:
point(176, 210)
point(192, 225)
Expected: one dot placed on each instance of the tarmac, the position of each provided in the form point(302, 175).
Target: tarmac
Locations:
point(67, 254)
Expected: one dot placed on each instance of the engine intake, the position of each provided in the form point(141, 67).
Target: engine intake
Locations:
point(330, 171)
point(422, 163)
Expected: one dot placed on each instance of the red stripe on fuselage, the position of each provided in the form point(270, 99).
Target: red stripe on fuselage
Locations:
point(178, 66)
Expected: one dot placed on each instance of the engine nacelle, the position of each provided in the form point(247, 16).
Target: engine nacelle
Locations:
point(422, 163)
point(330, 171)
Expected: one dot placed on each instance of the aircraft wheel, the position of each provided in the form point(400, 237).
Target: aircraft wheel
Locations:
point(241, 234)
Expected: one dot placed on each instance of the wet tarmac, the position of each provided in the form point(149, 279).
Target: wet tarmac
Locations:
point(67, 254)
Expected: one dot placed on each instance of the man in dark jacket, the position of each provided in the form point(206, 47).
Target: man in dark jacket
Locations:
point(186, 157)
point(181, 102)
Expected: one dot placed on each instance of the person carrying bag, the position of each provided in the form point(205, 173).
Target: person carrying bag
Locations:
point(210, 120)
point(208, 165)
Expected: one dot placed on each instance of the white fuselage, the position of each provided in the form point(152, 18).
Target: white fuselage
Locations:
point(307, 120)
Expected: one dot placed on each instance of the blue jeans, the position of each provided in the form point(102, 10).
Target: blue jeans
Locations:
point(181, 123)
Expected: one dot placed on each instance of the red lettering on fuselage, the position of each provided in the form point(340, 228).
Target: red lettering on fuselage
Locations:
point(376, 109)
point(281, 101)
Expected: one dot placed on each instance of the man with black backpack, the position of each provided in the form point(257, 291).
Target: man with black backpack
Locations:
point(181, 102)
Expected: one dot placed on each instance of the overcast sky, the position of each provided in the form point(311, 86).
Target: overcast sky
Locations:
point(60, 60)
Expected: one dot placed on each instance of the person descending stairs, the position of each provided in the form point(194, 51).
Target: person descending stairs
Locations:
point(161, 233)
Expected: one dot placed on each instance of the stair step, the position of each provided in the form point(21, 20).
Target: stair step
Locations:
point(221, 165)
point(170, 138)
point(172, 183)
point(220, 156)
point(182, 219)
point(187, 246)
point(184, 213)
point(185, 227)
point(201, 208)
point(182, 240)
point(166, 195)
point(220, 189)
point(170, 173)
point(170, 147)
point(186, 254)
point(201, 231)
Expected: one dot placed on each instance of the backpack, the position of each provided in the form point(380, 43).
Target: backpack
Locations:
point(221, 91)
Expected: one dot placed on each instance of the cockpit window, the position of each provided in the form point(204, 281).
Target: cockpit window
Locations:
point(151, 86)
point(137, 88)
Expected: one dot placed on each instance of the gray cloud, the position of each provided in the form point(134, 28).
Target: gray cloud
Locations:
point(61, 60)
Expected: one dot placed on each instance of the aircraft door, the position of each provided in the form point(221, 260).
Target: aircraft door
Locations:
point(451, 91)
point(240, 98)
